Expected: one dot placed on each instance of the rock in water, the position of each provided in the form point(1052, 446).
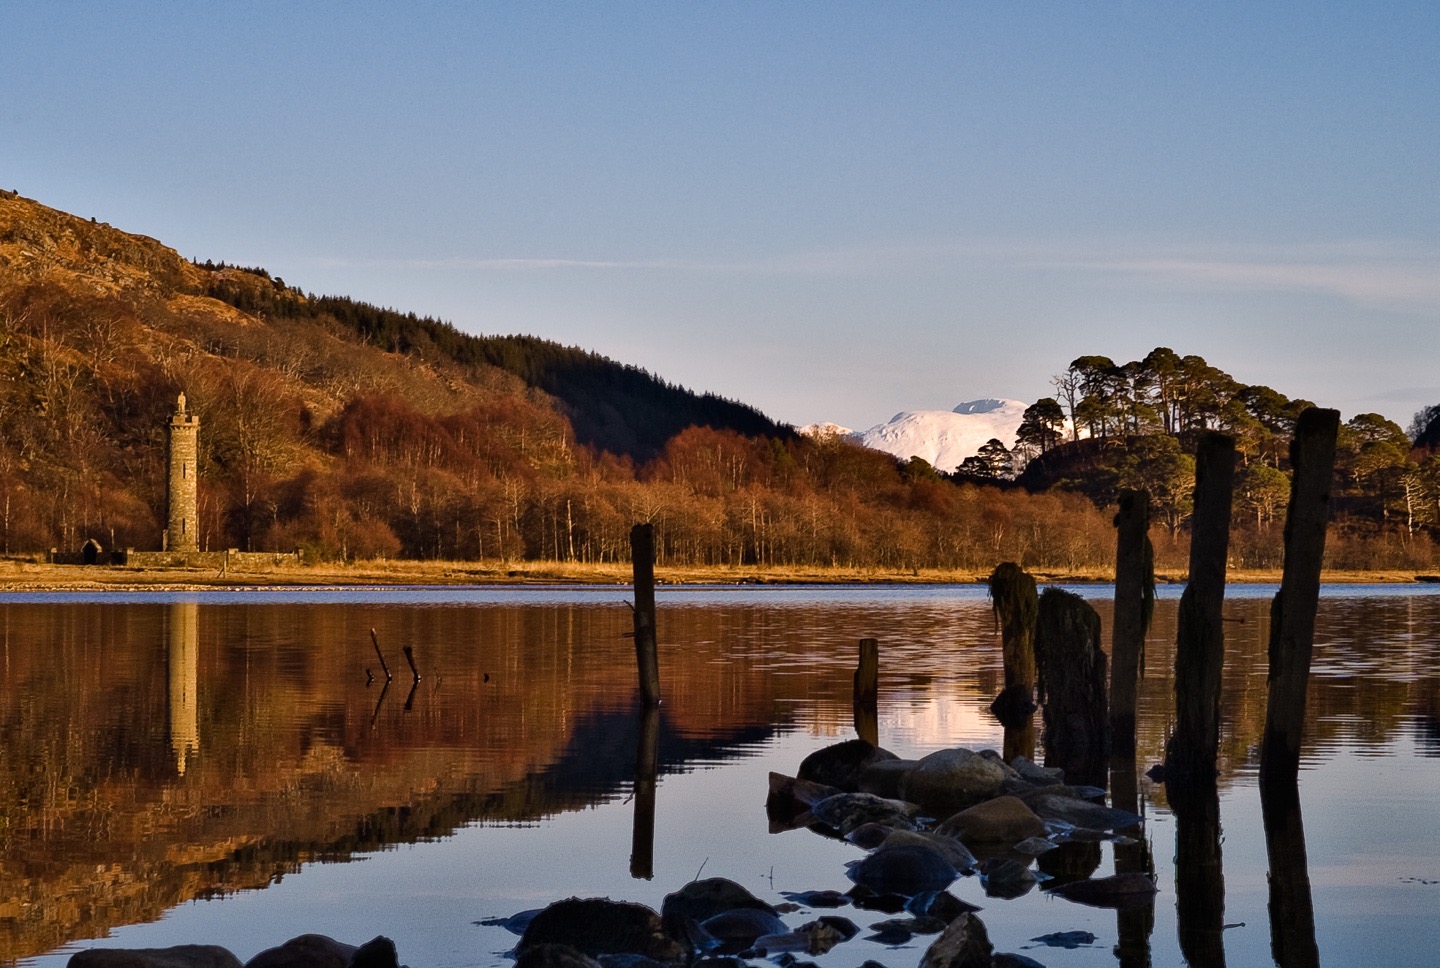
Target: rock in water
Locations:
point(703, 900)
point(378, 952)
point(1119, 891)
point(964, 944)
point(907, 870)
point(846, 811)
point(948, 781)
point(180, 956)
point(841, 764)
point(737, 930)
point(1003, 820)
point(596, 926)
point(1081, 813)
point(306, 951)
point(554, 956)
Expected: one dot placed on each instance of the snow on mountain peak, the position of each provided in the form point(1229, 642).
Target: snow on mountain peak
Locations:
point(947, 437)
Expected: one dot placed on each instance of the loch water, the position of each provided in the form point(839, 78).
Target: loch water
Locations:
point(233, 768)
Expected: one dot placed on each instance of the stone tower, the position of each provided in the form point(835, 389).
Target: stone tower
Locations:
point(182, 533)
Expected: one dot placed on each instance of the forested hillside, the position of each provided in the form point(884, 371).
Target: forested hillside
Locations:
point(352, 431)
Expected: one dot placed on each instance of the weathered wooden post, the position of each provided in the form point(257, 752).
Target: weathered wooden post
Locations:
point(1072, 686)
point(1292, 614)
point(867, 692)
point(1134, 604)
point(647, 660)
point(647, 763)
point(1200, 640)
point(1014, 601)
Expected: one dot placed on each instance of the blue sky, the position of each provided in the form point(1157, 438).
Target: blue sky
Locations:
point(832, 211)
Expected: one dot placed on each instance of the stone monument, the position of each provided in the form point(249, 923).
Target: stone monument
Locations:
point(182, 532)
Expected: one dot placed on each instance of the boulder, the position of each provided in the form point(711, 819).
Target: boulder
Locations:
point(703, 900)
point(180, 956)
point(378, 952)
point(846, 811)
point(840, 764)
point(550, 955)
point(305, 951)
point(737, 929)
point(1003, 820)
point(1081, 813)
point(964, 944)
point(949, 847)
point(1119, 891)
point(950, 780)
point(884, 777)
point(907, 870)
point(597, 926)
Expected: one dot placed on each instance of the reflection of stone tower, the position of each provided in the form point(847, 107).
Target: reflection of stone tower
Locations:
point(182, 532)
point(183, 654)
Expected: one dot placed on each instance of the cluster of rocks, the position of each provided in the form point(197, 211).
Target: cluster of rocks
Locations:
point(923, 824)
point(306, 951)
point(953, 813)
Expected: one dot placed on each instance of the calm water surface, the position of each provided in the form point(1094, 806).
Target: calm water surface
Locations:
point(222, 767)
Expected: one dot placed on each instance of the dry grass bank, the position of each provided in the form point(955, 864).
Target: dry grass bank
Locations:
point(25, 575)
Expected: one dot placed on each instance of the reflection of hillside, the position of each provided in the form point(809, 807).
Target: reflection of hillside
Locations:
point(98, 826)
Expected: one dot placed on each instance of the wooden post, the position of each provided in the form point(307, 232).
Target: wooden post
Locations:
point(1292, 614)
point(1200, 639)
point(1134, 600)
point(647, 761)
point(1072, 686)
point(642, 555)
point(867, 692)
point(1013, 598)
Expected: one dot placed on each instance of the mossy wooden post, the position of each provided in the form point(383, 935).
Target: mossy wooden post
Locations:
point(1200, 639)
point(1292, 614)
point(1134, 602)
point(642, 555)
point(1072, 686)
point(867, 692)
point(1013, 598)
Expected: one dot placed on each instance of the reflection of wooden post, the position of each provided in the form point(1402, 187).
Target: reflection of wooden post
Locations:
point(642, 554)
point(647, 763)
point(1134, 590)
point(1292, 615)
point(1200, 640)
point(867, 692)
point(1292, 915)
point(1133, 925)
point(1199, 876)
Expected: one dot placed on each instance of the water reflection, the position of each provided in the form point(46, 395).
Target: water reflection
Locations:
point(1199, 875)
point(1292, 917)
point(160, 751)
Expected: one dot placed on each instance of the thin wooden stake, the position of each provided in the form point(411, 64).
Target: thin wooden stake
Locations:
point(375, 640)
point(867, 692)
point(410, 658)
point(1292, 614)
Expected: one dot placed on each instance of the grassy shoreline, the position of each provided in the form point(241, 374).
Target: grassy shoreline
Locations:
point(18, 575)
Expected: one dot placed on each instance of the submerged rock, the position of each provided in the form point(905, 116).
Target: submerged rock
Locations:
point(737, 929)
point(180, 956)
point(964, 944)
point(941, 905)
point(1007, 879)
point(906, 870)
point(817, 899)
point(515, 923)
point(596, 926)
point(949, 847)
point(1080, 813)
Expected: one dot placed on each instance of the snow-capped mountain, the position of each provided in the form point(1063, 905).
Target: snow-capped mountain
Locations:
point(946, 437)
